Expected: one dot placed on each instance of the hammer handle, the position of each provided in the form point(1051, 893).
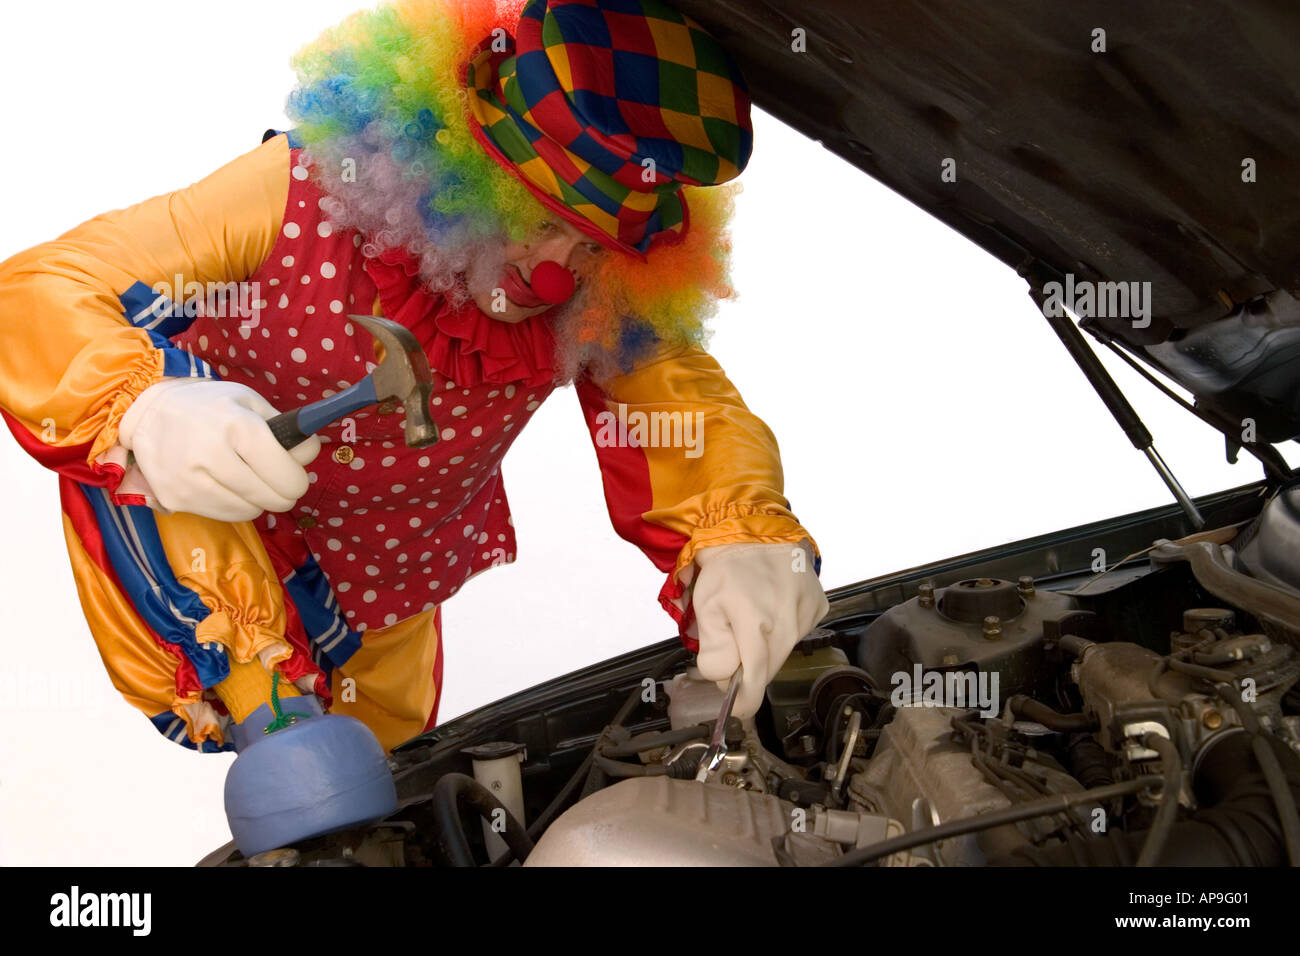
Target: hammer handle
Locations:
point(294, 427)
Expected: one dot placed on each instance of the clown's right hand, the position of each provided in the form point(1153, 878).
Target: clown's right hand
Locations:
point(204, 448)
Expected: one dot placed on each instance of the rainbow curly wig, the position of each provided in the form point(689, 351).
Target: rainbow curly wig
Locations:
point(385, 89)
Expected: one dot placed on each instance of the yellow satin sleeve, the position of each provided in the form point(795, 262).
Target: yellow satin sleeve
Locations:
point(731, 492)
point(68, 356)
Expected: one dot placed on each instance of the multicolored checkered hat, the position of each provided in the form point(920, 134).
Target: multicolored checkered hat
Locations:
point(605, 109)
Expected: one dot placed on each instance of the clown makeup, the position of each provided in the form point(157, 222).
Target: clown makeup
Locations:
point(510, 297)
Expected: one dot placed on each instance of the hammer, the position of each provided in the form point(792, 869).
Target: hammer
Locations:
point(402, 376)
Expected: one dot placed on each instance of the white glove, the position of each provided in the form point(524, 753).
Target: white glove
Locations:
point(752, 605)
point(204, 448)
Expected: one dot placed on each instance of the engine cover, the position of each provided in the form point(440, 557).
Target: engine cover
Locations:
point(658, 821)
point(980, 625)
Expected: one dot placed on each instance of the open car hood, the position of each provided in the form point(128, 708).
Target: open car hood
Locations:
point(1116, 166)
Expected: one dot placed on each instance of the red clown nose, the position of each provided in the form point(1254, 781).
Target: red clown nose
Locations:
point(552, 282)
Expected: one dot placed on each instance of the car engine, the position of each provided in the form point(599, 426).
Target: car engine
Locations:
point(1147, 712)
point(971, 700)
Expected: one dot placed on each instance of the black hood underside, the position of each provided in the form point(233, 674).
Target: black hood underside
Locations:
point(1117, 166)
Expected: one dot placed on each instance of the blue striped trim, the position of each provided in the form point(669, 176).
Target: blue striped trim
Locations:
point(131, 540)
point(295, 141)
point(173, 728)
point(158, 315)
point(332, 641)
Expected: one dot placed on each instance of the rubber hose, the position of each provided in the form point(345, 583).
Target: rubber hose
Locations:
point(450, 793)
point(1040, 713)
point(1238, 826)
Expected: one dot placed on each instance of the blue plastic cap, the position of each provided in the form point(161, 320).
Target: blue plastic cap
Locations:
point(319, 775)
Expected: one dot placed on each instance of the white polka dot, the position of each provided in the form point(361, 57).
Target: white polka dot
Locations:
point(456, 460)
point(327, 344)
point(510, 391)
point(459, 410)
point(391, 543)
point(293, 333)
point(388, 460)
point(270, 377)
point(299, 173)
point(292, 230)
point(336, 522)
point(301, 380)
point(532, 406)
point(476, 431)
point(327, 270)
point(398, 489)
point(298, 355)
point(334, 544)
point(357, 464)
point(369, 597)
point(415, 522)
point(305, 280)
point(448, 433)
point(344, 586)
point(287, 261)
point(372, 570)
point(336, 306)
point(324, 229)
point(424, 461)
point(390, 619)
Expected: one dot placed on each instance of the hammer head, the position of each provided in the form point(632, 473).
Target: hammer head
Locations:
point(402, 376)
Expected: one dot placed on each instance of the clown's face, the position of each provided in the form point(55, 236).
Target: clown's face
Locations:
point(510, 298)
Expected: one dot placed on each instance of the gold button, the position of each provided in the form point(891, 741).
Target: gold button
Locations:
point(344, 454)
point(306, 521)
point(387, 408)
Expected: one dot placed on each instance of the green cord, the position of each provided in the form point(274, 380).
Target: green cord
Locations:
point(282, 720)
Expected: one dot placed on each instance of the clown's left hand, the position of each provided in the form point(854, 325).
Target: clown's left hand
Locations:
point(753, 602)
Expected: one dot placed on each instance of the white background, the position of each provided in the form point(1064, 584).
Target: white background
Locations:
point(924, 409)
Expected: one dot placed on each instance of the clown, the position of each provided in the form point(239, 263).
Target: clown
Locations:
point(538, 196)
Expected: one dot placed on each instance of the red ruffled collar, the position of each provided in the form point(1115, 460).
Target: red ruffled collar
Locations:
point(462, 342)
